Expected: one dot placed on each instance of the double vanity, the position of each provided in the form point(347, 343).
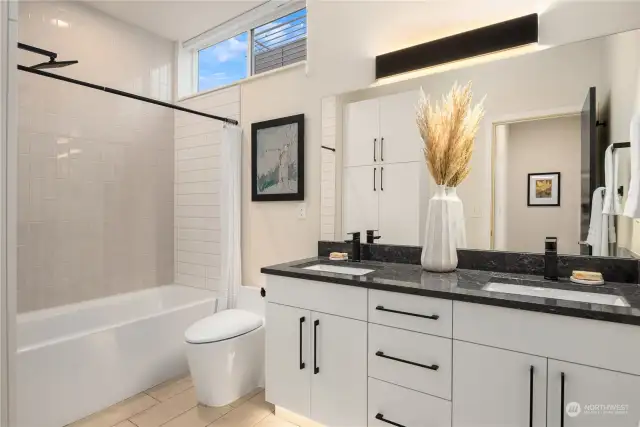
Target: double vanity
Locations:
point(383, 343)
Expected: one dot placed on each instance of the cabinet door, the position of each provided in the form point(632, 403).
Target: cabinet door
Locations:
point(495, 388)
point(399, 204)
point(361, 140)
point(339, 371)
point(288, 367)
point(361, 186)
point(399, 136)
point(592, 397)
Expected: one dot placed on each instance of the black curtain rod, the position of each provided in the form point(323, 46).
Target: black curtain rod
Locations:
point(125, 94)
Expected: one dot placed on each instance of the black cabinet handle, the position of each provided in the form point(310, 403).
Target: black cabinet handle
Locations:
point(301, 362)
point(374, 148)
point(381, 178)
point(316, 369)
point(382, 149)
point(531, 396)
point(374, 179)
point(408, 362)
point(562, 399)
point(381, 308)
point(380, 417)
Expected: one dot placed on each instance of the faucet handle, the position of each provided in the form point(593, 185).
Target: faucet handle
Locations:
point(371, 236)
point(355, 236)
point(551, 244)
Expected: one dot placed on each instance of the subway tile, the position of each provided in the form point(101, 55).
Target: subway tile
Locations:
point(198, 152)
point(198, 176)
point(198, 211)
point(198, 164)
point(199, 247)
point(196, 200)
point(198, 223)
point(190, 269)
point(196, 258)
point(199, 188)
point(188, 280)
point(200, 235)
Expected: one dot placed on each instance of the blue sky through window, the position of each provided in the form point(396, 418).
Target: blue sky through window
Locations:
point(223, 63)
point(287, 29)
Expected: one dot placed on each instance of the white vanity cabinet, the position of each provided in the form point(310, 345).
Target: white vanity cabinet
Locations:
point(498, 388)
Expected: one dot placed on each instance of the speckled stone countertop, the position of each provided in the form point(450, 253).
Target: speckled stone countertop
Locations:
point(467, 285)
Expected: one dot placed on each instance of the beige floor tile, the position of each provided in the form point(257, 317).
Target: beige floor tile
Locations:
point(125, 423)
point(167, 410)
point(200, 416)
point(118, 412)
point(273, 421)
point(246, 397)
point(170, 388)
point(247, 415)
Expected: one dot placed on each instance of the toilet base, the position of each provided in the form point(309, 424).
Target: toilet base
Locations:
point(224, 371)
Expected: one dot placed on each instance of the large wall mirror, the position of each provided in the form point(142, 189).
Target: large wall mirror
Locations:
point(556, 133)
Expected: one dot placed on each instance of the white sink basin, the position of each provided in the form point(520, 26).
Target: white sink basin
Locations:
point(545, 292)
point(330, 268)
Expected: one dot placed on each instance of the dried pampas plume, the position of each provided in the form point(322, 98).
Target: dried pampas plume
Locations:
point(448, 131)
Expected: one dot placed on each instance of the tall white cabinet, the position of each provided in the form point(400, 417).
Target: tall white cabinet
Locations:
point(384, 176)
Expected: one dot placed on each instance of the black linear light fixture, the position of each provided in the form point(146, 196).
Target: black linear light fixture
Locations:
point(481, 41)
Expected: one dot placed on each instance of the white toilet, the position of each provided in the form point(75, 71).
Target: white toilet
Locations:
point(226, 356)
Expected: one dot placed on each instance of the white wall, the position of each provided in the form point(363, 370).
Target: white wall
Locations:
point(539, 146)
point(197, 188)
point(95, 178)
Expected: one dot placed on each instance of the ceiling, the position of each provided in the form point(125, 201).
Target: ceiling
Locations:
point(176, 19)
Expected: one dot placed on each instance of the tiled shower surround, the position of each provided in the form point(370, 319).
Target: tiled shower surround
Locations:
point(95, 181)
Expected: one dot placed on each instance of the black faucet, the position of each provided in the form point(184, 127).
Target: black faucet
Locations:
point(551, 258)
point(371, 236)
point(355, 246)
point(366, 249)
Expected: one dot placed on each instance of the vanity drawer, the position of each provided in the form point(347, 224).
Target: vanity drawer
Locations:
point(341, 300)
point(410, 359)
point(405, 407)
point(413, 312)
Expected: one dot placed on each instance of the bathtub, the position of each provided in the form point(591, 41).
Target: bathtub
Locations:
point(77, 359)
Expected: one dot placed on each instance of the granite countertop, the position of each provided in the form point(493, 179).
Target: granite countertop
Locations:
point(466, 285)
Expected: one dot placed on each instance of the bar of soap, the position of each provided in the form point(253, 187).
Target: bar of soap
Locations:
point(587, 275)
point(338, 256)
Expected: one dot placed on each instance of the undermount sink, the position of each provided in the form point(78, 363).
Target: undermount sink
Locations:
point(341, 269)
point(562, 294)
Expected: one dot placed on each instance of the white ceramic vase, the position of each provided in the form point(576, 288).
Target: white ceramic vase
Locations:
point(439, 250)
point(458, 218)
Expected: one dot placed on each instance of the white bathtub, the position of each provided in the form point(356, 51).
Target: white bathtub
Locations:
point(77, 359)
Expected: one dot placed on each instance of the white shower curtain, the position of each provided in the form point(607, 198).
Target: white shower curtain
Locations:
point(231, 270)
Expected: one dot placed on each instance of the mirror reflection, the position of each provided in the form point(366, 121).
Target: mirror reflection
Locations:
point(552, 157)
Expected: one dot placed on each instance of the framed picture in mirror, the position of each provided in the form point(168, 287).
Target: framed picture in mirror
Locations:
point(543, 189)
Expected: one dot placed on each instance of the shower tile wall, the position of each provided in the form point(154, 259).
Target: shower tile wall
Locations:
point(197, 189)
point(95, 170)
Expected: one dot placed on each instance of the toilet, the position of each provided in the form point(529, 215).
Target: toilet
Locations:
point(226, 356)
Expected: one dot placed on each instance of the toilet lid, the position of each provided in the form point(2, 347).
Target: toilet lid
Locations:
point(222, 326)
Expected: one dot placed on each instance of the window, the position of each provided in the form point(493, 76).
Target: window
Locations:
point(274, 44)
point(280, 42)
point(223, 63)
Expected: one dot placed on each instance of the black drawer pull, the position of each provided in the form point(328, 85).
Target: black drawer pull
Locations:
point(531, 396)
point(561, 399)
point(434, 317)
point(302, 365)
point(432, 367)
point(381, 418)
point(316, 368)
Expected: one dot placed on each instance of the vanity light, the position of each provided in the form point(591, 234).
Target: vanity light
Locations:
point(481, 41)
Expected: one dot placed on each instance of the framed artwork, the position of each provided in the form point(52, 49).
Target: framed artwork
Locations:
point(277, 159)
point(543, 189)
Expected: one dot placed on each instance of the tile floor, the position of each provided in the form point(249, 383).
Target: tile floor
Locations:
point(174, 404)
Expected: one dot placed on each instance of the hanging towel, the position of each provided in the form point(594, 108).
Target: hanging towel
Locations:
point(612, 204)
point(601, 228)
point(632, 207)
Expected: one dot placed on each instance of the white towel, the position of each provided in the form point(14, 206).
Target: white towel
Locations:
point(612, 204)
point(632, 207)
point(601, 228)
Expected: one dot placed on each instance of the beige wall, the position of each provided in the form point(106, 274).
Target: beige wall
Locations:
point(95, 182)
point(271, 231)
point(551, 145)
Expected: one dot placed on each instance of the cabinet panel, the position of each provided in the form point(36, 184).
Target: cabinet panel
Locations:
point(361, 131)
point(394, 355)
point(399, 203)
point(406, 407)
point(399, 136)
point(339, 385)
point(360, 199)
point(288, 383)
point(491, 387)
point(592, 397)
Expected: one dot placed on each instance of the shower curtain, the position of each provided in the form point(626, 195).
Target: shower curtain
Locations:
point(231, 268)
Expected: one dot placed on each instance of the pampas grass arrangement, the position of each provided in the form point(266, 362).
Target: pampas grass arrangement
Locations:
point(448, 131)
